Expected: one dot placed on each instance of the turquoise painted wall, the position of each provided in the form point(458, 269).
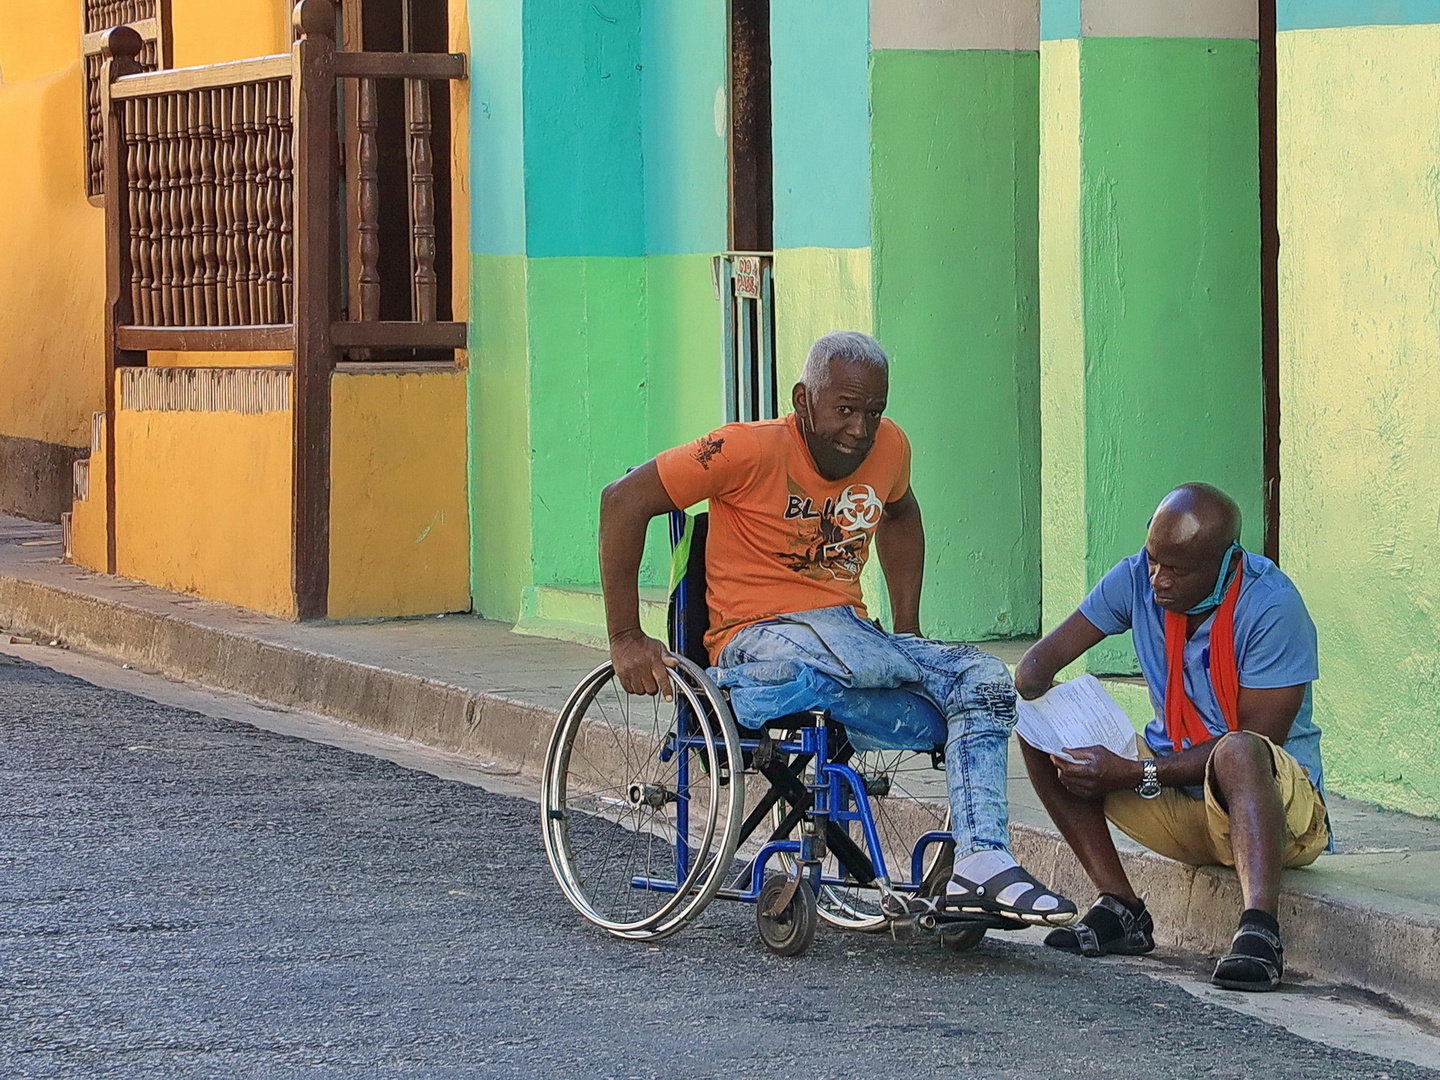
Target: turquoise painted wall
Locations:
point(819, 71)
point(599, 166)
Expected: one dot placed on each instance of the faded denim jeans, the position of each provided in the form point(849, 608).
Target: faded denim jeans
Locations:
point(762, 664)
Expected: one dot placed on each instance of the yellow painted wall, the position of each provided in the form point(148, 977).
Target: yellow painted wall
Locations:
point(1062, 334)
point(52, 267)
point(52, 245)
point(210, 32)
point(1359, 136)
point(399, 522)
point(817, 290)
point(203, 504)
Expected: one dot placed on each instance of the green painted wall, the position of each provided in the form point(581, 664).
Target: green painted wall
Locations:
point(500, 566)
point(1169, 279)
point(955, 204)
point(587, 375)
point(683, 350)
point(1360, 423)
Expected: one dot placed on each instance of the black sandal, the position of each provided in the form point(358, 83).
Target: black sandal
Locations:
point(1257, 970)
point(981, 898)
point(1136, 936)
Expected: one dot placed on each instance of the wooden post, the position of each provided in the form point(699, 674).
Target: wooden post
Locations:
point(316, 205)
point(121, 56)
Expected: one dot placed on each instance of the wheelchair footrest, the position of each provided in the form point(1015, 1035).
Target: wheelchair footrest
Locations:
point(911, 927)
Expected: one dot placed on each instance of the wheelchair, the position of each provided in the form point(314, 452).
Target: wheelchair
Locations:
point(650, 810)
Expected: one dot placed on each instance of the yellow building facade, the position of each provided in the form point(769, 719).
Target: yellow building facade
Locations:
point(187, 478)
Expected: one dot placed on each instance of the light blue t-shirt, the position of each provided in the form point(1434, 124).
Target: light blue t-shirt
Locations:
point(1275, 646)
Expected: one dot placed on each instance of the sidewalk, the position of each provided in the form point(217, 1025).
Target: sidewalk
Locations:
point(1367, 916)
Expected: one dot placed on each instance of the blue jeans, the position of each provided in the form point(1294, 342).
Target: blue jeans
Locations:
point(972, 689)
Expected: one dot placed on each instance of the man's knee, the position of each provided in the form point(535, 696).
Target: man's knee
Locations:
point(1241, 759)
point(987, 685)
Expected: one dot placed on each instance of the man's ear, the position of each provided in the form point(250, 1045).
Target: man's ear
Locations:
point(798, 400)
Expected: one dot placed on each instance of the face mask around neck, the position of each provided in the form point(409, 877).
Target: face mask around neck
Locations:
point(1211, 602)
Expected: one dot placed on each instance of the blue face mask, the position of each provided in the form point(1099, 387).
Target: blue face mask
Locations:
point(1211, 602)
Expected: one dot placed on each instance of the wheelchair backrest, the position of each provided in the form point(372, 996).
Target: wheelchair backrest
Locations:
point(689, 614)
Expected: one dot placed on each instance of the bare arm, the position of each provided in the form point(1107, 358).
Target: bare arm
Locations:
point(1056, 650)
point(626, 507)
point(900, 542)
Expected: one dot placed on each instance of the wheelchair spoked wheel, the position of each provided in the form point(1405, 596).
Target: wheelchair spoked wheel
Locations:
point(907, 799)
point(629, 782)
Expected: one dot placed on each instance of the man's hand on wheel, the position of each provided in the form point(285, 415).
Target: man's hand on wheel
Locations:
point(640, 662)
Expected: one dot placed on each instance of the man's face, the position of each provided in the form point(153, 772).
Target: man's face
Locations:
point(1183, 572)
point(839, 421)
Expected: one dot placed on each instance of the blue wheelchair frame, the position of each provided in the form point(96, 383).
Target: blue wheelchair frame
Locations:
point(837, 796)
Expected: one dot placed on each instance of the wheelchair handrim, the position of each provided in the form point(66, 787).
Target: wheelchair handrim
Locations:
point(702, 880)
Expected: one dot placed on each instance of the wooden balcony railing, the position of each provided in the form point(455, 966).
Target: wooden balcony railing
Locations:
point(224, 224)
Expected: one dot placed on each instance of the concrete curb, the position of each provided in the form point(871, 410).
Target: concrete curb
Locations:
point(1392, 953)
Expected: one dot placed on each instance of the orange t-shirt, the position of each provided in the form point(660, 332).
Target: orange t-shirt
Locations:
point(782, 537)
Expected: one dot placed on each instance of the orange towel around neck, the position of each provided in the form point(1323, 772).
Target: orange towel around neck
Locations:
point(1182, 720)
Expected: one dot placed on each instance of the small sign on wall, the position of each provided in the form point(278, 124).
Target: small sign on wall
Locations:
point(747, 276)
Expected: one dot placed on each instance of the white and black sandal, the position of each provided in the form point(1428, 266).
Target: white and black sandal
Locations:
point(1011, 894)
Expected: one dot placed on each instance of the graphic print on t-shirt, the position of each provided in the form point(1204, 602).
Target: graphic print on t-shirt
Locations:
point(706, 449)
point(834, 546)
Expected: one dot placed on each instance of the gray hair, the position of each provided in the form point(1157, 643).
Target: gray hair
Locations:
point(841, 345)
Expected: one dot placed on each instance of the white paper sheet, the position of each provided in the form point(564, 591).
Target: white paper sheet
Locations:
point(1075, 714)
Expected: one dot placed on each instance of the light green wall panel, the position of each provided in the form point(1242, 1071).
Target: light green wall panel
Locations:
point(1064, 580)
point(817, 290)
point(954, 263)
point(499, 413)
point(587, 399)
point(683, 340)
point(1360, 423)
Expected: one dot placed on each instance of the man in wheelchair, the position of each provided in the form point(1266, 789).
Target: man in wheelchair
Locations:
point(795, 504)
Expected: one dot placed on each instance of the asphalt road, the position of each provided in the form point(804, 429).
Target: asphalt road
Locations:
point(182, 896)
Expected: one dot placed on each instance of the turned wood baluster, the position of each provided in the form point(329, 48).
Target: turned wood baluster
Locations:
point(174, 212)
point(368, 200)
point(224, 209)
point(186, 191)
point(140, 260)
point(422, 200)
point(240, 253)
point(287, 207)
point(132, 200)
point(94, 125)
point(274, 312)
point(262, 205)
point(208, 313)
point(144, 118)
point(252, 205)
point(165, 170)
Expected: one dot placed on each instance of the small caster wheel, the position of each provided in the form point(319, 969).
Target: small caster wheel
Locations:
point(790, 932)
point(962, 940)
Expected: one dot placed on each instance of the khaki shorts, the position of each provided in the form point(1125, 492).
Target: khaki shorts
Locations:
point(1197, 831)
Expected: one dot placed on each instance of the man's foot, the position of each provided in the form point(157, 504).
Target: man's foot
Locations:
point(1257, 959)
point(1111, 926)
point(993, 883)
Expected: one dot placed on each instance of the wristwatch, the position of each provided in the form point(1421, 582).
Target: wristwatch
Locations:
point(1150, 784)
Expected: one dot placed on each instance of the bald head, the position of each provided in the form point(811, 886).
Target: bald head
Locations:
point(1193, 527)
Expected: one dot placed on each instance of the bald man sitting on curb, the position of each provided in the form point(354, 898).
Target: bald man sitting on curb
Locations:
point(1230, 766)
